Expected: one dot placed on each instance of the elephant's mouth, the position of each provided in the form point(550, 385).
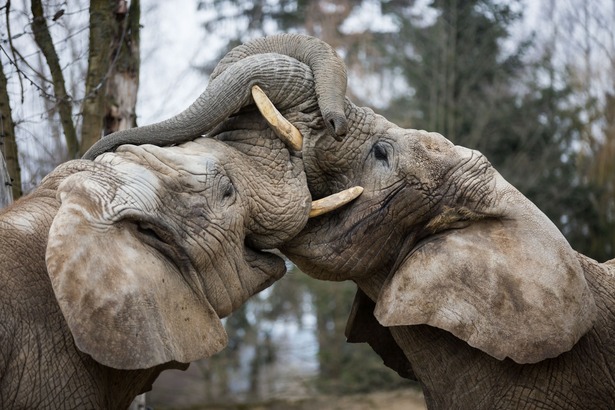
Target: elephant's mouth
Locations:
point(160, 239)
point(349, 240)
point(269, 266)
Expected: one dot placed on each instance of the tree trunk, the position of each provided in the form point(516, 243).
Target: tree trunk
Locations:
point(113, 67)
point(6, 195)
point(123, 82)
point(10, 172)
point(64, 103)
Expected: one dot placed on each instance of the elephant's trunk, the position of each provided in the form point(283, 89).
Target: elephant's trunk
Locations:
point(230, 85)
point(284, 79)
point(328, 68)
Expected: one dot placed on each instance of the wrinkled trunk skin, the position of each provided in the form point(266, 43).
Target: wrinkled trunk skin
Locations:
point(230, 87)
point(328, 68)
point(52, 364)
point(224, 96)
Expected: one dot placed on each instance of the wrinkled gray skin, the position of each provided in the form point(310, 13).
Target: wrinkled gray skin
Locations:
point(463, 283)
point(117, 269)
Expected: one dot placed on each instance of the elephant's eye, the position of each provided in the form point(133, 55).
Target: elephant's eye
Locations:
point(148, 231)
point(227, 189)
point(380, 152)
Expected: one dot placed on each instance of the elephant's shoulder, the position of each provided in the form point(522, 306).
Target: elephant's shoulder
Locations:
point(609, 266)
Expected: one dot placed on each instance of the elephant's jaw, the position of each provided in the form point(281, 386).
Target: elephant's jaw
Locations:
point(342, 245)
point(224, 280)
point(228, 286)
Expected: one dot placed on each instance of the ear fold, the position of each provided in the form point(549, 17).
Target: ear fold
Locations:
point(362, 327)
point(126, 306)
point(511, 286)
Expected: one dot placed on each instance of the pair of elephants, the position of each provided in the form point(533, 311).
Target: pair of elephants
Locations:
point(120, 265)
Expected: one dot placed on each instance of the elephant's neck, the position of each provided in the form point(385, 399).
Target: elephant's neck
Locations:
point(26, 227)
point(372, 284)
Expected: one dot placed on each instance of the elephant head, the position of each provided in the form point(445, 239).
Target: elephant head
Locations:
point(151, 246)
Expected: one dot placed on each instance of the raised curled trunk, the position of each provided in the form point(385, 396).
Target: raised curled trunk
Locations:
point(229, 90)
point(328, 68)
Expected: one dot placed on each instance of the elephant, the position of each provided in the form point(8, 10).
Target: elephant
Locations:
point(121, 264)
point(462, 283)
point(116, 269)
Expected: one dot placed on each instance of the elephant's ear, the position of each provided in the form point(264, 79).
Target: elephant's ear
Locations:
point(510, 286)
point(126, 306)
point(362, 327)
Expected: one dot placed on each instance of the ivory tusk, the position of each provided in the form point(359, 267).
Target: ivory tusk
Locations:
point(280, 125)
point(332, 202)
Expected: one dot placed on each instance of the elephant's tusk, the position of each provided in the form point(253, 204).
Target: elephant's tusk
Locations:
point(280, 125)
point(332, 202)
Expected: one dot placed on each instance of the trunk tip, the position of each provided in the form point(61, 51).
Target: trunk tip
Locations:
point(337, 124)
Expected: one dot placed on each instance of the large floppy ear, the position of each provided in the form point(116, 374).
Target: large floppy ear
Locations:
point(509, 284)
point(125, 304)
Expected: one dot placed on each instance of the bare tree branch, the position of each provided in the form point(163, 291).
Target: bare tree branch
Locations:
point(45, 43)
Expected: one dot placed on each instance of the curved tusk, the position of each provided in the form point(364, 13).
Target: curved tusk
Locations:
point(332, 202)
point(280, 125)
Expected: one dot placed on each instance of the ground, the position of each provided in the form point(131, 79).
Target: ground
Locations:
point(406, 399)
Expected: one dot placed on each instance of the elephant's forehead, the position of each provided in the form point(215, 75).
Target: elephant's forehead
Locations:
point(183, 161)
point(433, 140)
point(127, 170)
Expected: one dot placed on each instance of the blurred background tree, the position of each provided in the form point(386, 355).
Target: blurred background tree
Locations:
point(531, 84)
point(78, 92)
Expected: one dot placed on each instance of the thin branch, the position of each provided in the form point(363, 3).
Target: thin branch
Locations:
point(10, 37)
point(45, 43)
